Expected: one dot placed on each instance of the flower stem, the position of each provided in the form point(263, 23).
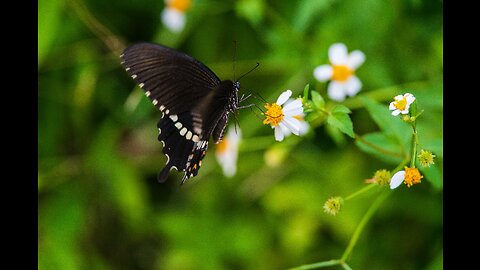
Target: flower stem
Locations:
point(376, 204)
point(317, 265)
point(414, 136)
point(360, 191)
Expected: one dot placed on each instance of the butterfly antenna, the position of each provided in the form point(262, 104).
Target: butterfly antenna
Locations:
point(234, 59)
point(258, 64)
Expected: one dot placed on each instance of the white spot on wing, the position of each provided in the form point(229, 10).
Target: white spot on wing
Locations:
point(141, 85)
point(195, 138)
point(178, 125)
point(148, 93)
point(162, 108)
point(127, 69)
point(183, 131)
point(155, 102)
point(174, 117)
point(189, 135)
point(134, 76)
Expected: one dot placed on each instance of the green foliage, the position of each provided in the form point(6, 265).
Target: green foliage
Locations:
point(100, 206)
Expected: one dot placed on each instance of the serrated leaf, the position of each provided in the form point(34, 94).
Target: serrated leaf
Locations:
point(342, 121)
point(305, 92)
point(318, 100)
point(341, 109)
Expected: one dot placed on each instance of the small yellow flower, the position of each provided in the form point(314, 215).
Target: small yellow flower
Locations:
point(332, 206)
point(285, 116)
point(410, 176)
point(382, 177)
point(341, 72)
point(426, 158)
point(401, 104)
point(173, 15)
point(226, 151)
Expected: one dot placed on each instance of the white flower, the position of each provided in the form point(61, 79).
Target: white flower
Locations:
point(341, 72)
point(397, 179)
point(173, 15)
point(285, 120)
point(226, 151)
point(401, 104)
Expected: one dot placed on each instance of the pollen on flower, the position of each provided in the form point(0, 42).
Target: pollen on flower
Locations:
point(274, 114)
point(332, 206)
point(341, 73)
point(412, 176)
point(400, 103)
point(180, 5)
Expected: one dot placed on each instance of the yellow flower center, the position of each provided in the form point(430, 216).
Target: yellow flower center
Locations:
point(274, 114)
point(222, 146)
point(341, 73)
point(412, 176)
point(400, 104)
point(180, 5)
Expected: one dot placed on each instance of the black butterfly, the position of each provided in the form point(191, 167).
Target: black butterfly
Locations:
point(194, 102)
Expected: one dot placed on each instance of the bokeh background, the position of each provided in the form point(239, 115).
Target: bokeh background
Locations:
point(99, 204)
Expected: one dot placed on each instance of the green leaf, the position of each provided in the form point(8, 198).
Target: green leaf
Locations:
point(382, 146)
point(341, 109)
point(49, 15)
point(392, 126)
point(305, 93)
point(340, 119)
point(318, 100)
point(433, 174)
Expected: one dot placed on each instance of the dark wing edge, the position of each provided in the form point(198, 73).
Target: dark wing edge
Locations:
point(174, 81)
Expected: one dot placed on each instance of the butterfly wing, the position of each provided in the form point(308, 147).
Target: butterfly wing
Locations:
point(173, 80)
point(187, 92)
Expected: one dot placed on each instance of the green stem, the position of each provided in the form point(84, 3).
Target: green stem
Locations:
point(318, 265)
point(362, 190)
point(376, 204)
point(414, 136)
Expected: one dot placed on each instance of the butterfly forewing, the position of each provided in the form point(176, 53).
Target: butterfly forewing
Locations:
point(192, 98)
point(173, 81)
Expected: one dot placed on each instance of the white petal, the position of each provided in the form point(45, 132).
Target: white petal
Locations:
point(355, 59)
point(410, 98)
point(292, 124)
point(392, 106)
point(293, 108)
point(397, 179)
point(278, 133)
point(284, 97)
point(352, 86)
point(336, 91)
point(405, 111)
point(338, 54)
point(323, 73)
point(396, 112)
point(304, 127)
point(173, 19)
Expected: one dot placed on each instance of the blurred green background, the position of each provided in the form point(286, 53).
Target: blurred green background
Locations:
point(100, 206)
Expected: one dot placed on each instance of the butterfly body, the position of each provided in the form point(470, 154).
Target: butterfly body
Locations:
point(194, 102)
